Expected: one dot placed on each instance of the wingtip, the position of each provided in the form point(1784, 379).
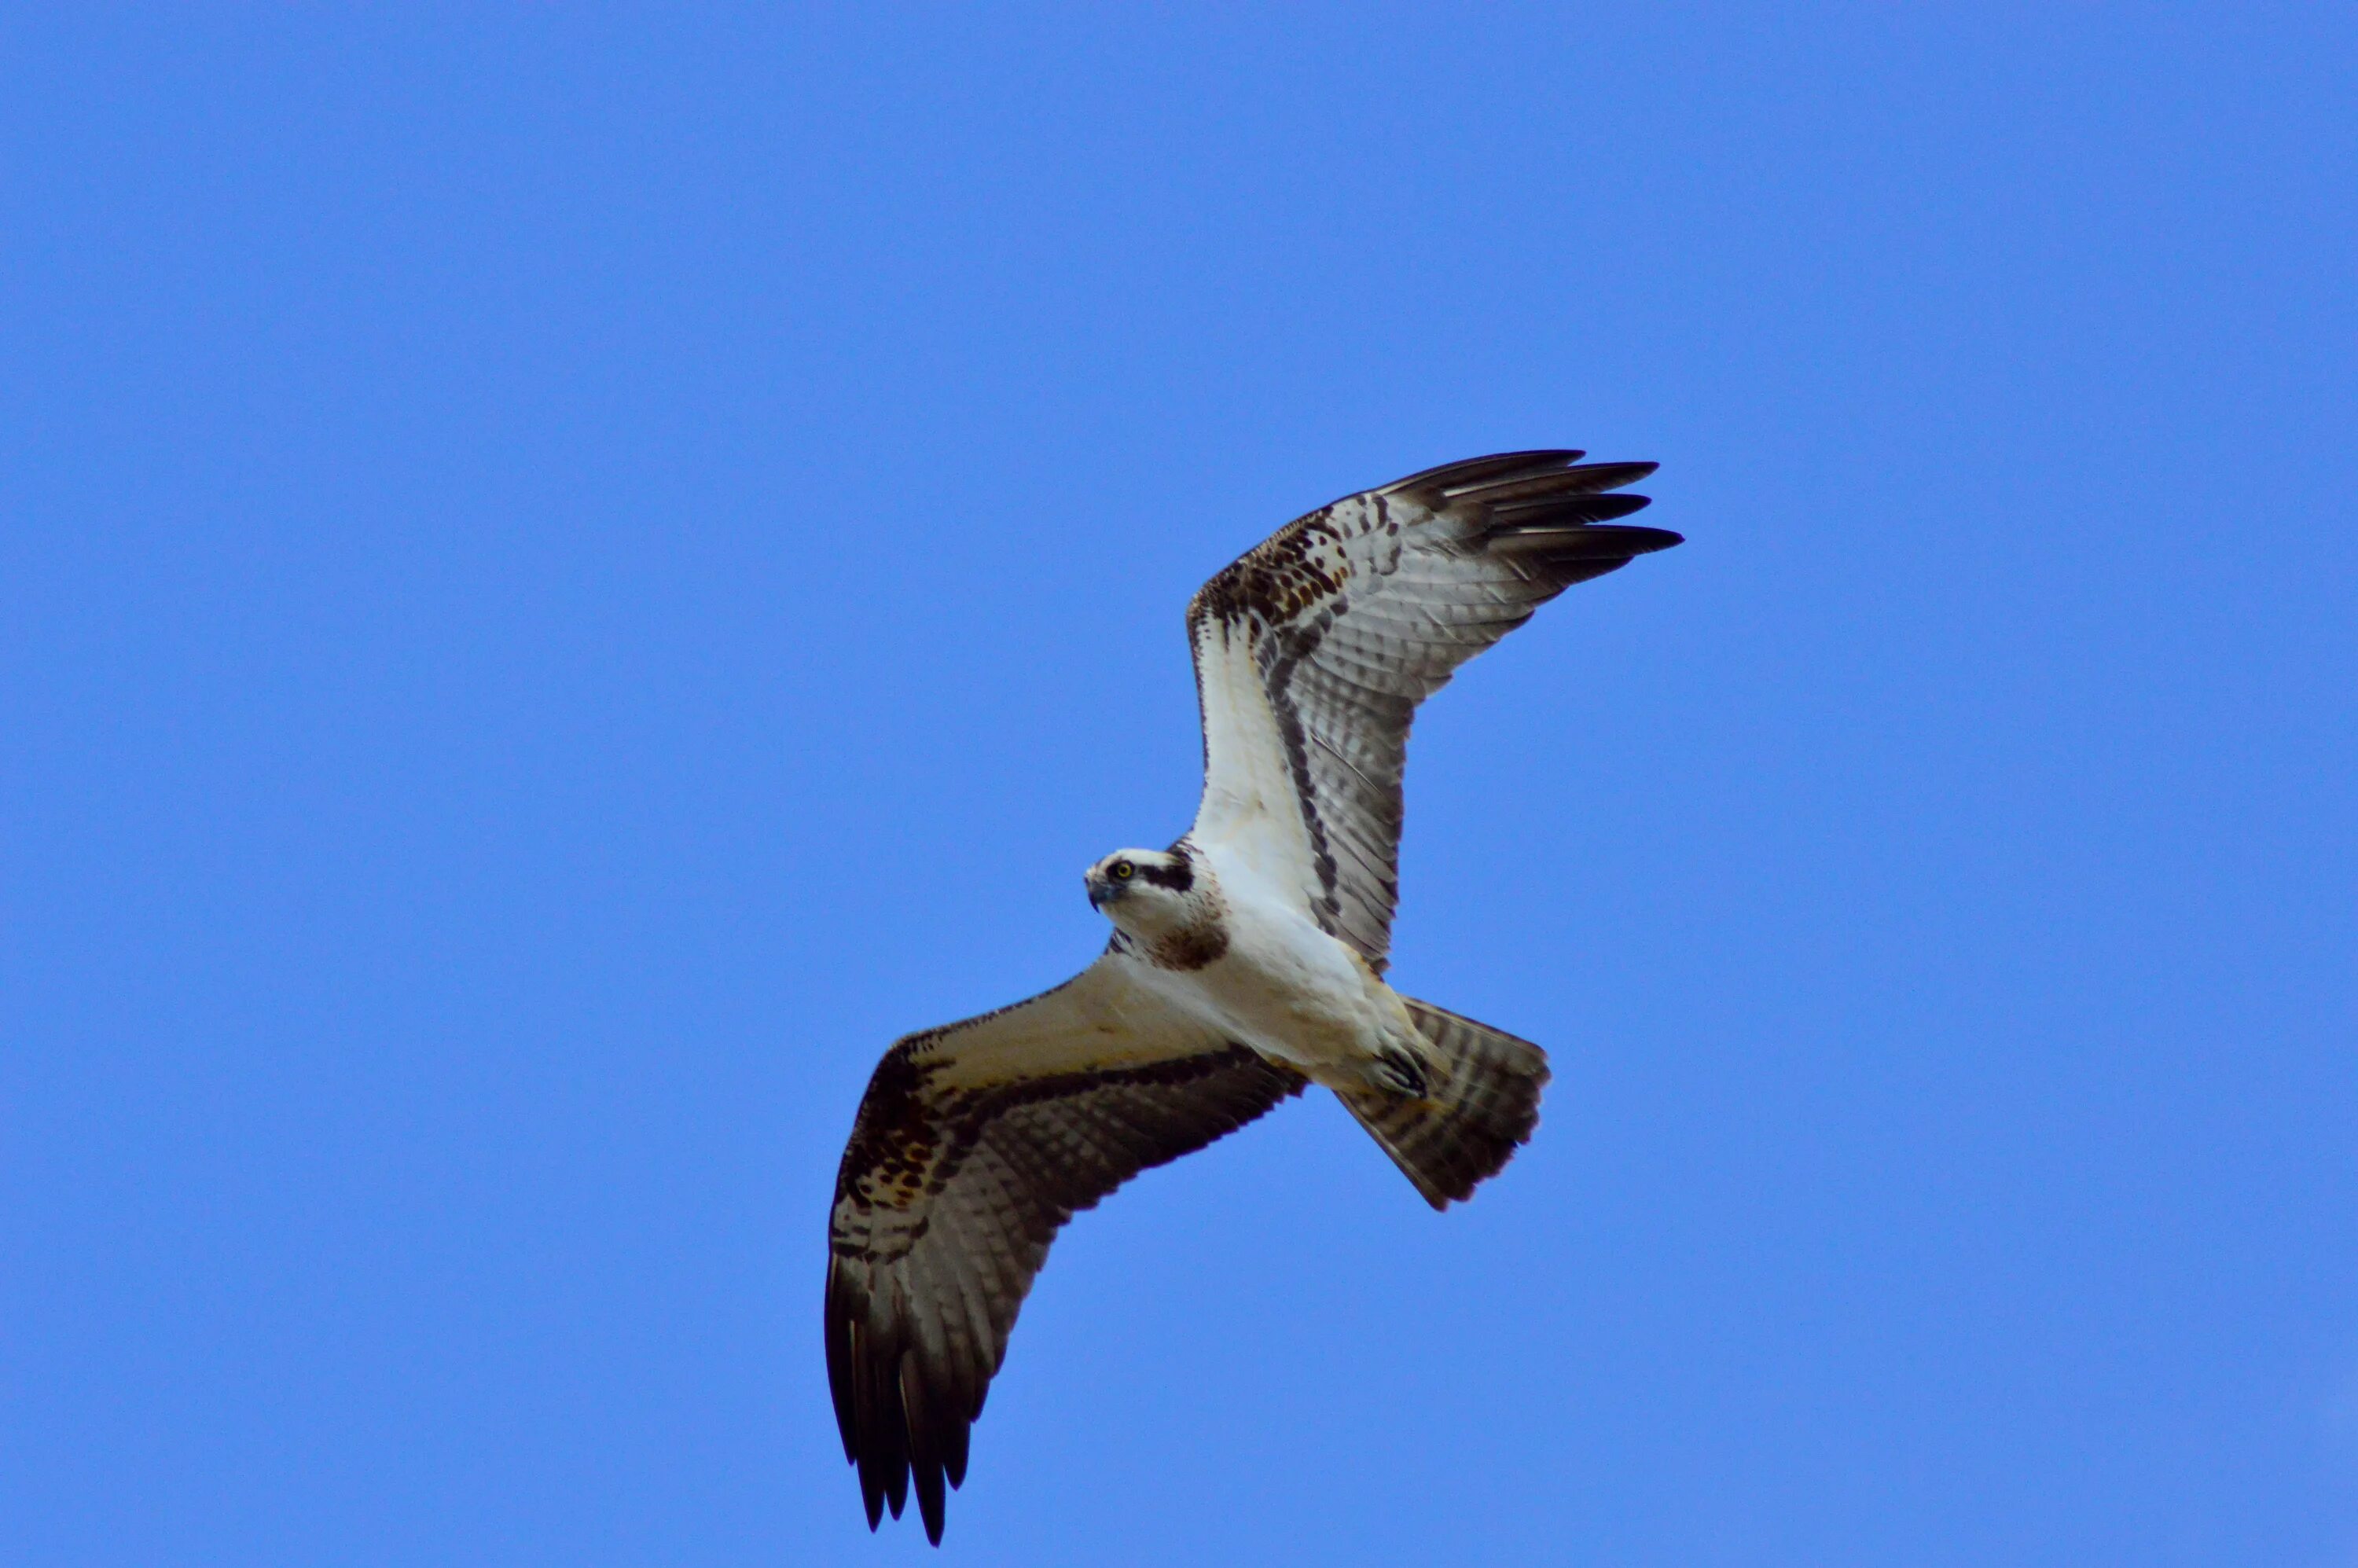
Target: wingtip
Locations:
point(1614, 542)
point(1469, 471)
point(930, 1507)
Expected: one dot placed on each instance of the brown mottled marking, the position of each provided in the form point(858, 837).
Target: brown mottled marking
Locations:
point(893, 1137)
point(1282, 576)
point(1190, 947)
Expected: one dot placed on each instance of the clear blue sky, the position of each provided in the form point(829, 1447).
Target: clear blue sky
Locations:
point(566, 573)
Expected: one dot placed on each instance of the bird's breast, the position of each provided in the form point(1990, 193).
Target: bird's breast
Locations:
point(1291, 990)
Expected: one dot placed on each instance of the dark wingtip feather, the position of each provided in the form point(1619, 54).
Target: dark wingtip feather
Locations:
point(1585, 542)
point(842, 1350)
point(1548, 487)
point(954, 1447)
point(1495, 469)
point(1562, 516)
point(930, 1500)
point(1563, 511)
point(1611, 476)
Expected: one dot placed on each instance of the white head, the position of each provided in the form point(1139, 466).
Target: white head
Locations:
point(1152, 892)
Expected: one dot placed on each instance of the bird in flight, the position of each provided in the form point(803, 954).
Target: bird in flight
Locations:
point(1247, 959)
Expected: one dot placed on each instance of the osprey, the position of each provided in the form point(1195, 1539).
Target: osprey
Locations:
point(1247, 960)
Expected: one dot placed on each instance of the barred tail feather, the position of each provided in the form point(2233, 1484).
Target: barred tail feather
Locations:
point(1480, 1104)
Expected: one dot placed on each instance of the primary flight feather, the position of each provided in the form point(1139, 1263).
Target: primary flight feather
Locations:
point(1246, 962)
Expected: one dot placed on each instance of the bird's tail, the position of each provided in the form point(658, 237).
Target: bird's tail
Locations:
point(1481, 1100)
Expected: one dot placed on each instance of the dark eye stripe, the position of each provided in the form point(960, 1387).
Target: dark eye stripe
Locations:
point(1179, 876)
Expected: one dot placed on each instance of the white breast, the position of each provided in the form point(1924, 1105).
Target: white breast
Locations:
point(1284, 987)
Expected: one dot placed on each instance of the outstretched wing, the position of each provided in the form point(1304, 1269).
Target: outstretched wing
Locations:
point(974, 1144)
point(1313, 648)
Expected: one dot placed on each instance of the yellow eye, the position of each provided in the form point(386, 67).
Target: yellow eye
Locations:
point(1123, 871)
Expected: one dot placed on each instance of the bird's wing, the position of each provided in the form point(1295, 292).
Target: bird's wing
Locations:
point(973, 1145)
point(1313, 648)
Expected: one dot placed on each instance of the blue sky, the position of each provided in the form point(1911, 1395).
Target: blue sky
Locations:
point(568, 573)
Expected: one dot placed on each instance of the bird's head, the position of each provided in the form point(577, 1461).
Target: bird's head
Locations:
point(1148, 890)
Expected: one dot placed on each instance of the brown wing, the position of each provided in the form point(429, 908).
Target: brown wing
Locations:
point(1312, 650)
point(973, 1145)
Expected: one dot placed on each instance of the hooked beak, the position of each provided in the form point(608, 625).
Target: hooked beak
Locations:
point(1102, 892)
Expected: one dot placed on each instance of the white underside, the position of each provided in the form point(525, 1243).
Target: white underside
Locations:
point(1284, 987)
